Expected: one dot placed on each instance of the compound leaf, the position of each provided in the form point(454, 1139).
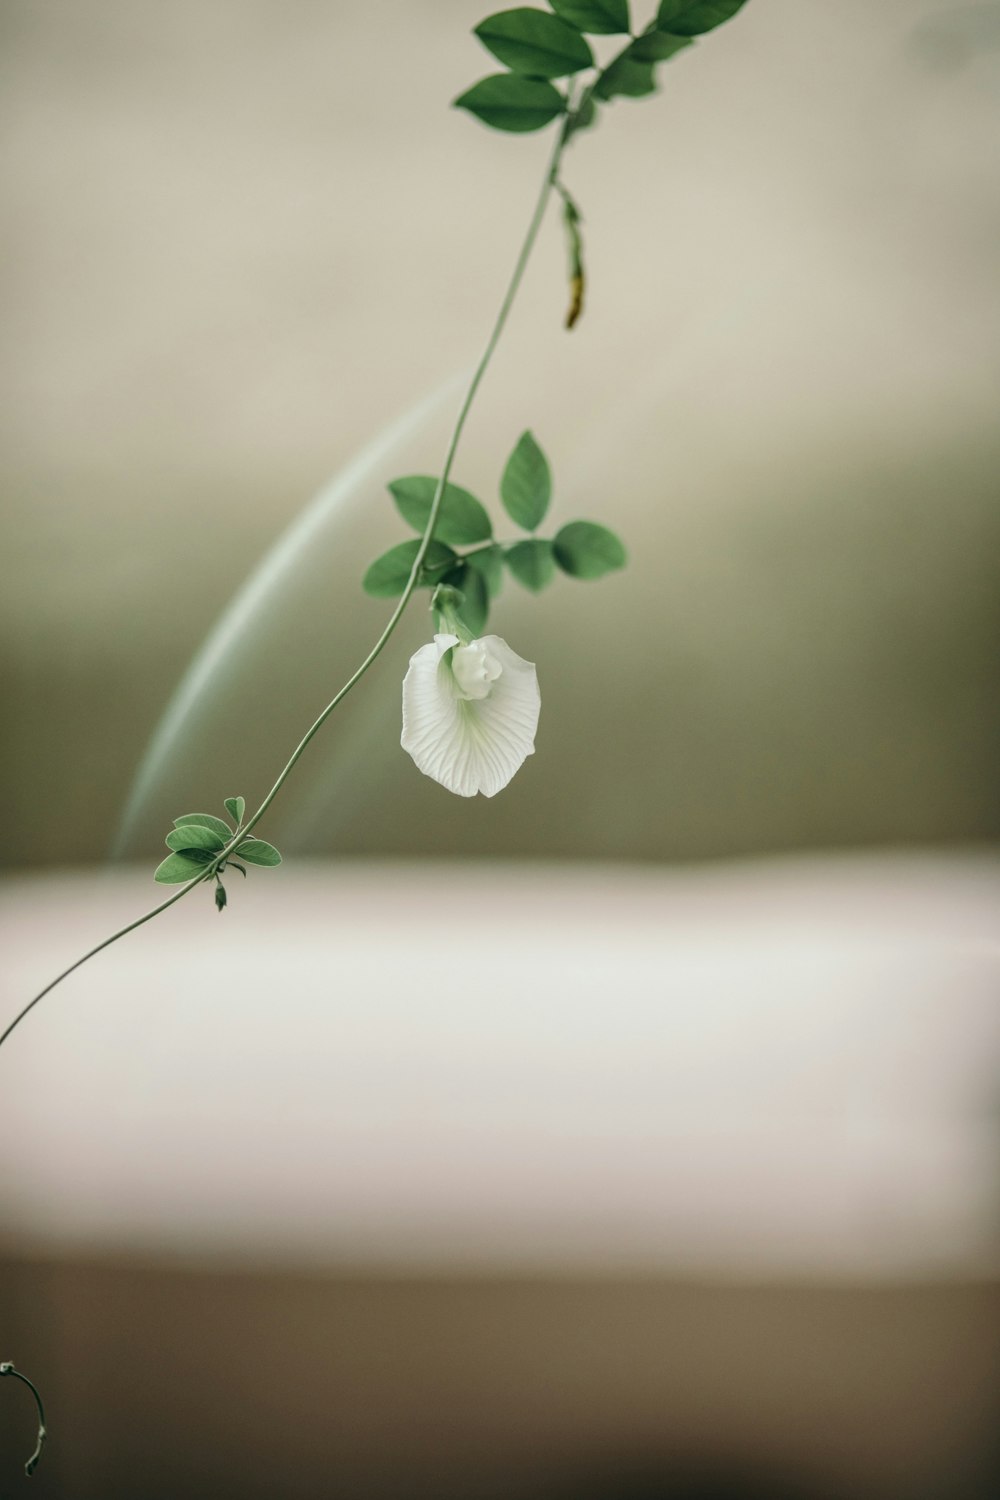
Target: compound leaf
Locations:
point(532, 563)
point(197, 836)
point(507, 102)
point(598, 17)
point(259, 852)
point(585, 550)
point(389, 574)
point(526, 486)
point(461, 519)
point(692, 17)
point(535, 44)
point(205, 820)
point(178, 868)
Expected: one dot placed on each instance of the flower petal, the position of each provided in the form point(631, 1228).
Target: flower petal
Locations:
point(469, 745)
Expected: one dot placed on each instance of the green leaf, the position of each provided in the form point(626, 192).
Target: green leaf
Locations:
point(197, 836)
point(599, 17)
point(236, 807)
point(657, 46)
point(461, 519)
point(585, 550)
point(533, 43)
point(259, 852)
point(692, 17)
point(526, 486)
point(626, 77)
point(507, 102)
point(205, 820)
point(220, 897)
point(388, 575)
point(632, 74)
point(584, 115)
point(177, 868)
point(532, 563)
point(474, 611)
point(489, 562)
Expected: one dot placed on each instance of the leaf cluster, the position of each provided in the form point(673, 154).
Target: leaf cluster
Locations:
point(581, 549)
point(540, 46)
point(202, 844)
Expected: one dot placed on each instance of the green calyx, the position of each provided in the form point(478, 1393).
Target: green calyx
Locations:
point(448, 606)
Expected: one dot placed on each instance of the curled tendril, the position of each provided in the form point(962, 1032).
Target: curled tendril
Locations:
point(6, 1368)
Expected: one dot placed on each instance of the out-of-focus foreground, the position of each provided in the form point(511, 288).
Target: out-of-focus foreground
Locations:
point(436, 1181)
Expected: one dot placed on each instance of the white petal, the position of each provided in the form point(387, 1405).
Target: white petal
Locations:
point(475, 670)
point(469, 745)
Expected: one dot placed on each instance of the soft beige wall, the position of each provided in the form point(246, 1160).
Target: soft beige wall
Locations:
point(245, 235)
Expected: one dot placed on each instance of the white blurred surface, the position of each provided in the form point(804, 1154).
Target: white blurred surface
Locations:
point(762, 1068)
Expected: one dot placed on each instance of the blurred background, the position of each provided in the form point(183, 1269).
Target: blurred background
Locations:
point(634, 1133)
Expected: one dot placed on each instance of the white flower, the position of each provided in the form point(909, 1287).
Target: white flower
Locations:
point(470, 713)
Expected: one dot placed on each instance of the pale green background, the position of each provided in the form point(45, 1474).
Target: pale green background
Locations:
point(243, 236)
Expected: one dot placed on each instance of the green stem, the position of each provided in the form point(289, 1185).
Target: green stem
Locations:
point(6, 1368)
point(548, 182)
point(122, 932)
point(524, 255)
point(449, 562)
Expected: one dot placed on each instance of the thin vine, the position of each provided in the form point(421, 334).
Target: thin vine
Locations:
point(465, 678)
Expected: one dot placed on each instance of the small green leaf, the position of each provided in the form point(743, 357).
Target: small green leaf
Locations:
point(585, 550)
point(657, 46)
point(489, 562)
point(507, 102)
point(692, 17)
point(220, 896)
point(533, 43)
point(632, 74)
point(526, 486)
point(236, 807)
point(388, 575)
point(259, 852)
point(461, 519)
point(204, 820)
point(598, 17)
point(626, 78)
point(177, 868)
point(474, 610)
point(532, 563)
point(197, 836)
